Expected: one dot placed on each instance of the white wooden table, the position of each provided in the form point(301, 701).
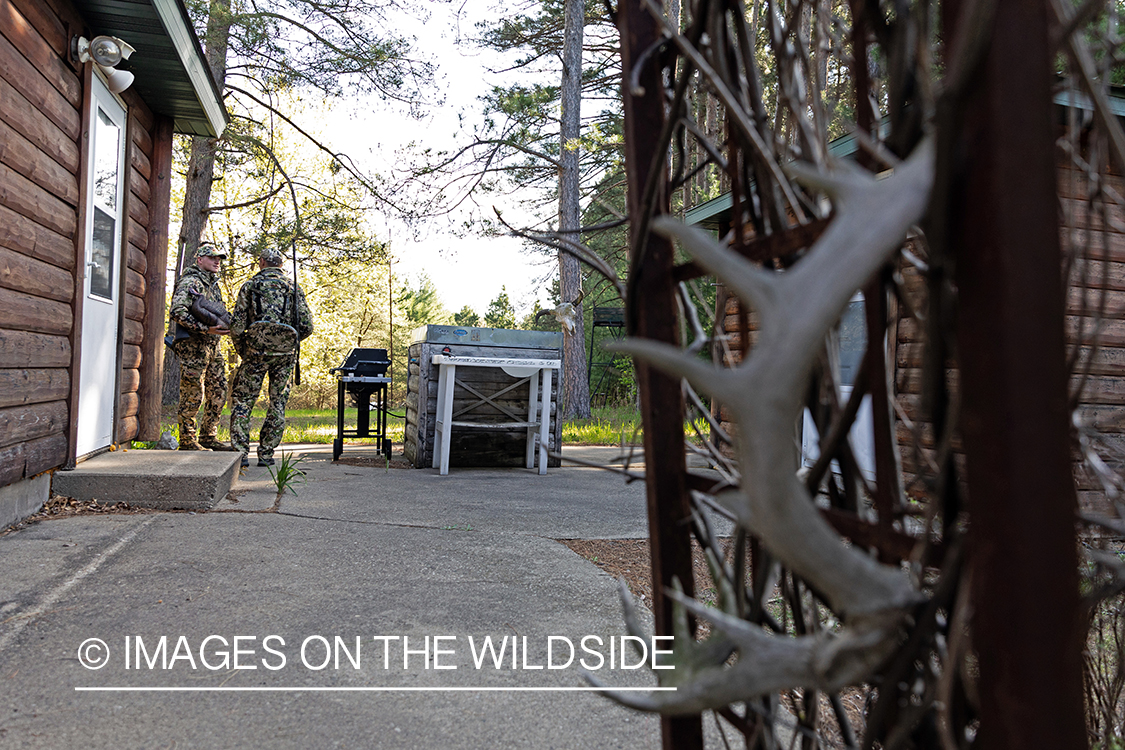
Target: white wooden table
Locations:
point(538, 422)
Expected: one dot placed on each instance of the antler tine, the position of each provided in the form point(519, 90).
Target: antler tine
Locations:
point(674, 361)
point(748, 282)
point(766, 663)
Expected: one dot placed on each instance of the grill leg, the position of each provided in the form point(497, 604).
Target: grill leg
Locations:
point(382, 416)
point(338, 444)
point(363, 414)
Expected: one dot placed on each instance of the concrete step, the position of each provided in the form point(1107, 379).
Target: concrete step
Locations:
point(188, 480)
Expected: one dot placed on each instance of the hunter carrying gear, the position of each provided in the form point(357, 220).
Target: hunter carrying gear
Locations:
point(199, 318)
point(270, 320)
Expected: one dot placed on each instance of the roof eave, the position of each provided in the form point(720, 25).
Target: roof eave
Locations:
point(178, 26)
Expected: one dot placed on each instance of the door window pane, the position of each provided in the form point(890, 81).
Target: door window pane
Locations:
point(107, 143)
point(102, 255)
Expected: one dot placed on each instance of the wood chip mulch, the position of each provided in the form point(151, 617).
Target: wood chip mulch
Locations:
point(629, 559)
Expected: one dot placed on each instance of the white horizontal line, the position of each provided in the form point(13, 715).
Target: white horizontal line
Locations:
point(128, 689)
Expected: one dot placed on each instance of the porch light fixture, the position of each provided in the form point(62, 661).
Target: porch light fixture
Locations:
point(106, 52)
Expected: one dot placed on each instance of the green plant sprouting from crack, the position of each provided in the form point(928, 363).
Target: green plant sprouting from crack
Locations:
point(286, 475)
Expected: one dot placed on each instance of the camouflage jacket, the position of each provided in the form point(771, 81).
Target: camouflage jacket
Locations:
point(269, 296)
point(194, 282)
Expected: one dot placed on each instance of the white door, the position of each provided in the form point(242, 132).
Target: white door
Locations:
point(97, 396)
point(852, 337)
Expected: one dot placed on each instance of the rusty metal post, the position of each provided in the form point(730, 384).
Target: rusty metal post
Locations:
point(651, 314)
point(1003, 222)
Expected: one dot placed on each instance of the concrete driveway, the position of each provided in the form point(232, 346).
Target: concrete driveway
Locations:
point(351, 608)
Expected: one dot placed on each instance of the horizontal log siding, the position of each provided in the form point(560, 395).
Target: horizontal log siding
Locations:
point(22, 273)
point(1095, 321)
point(1095, 313)
point(159, 146)
point(40, 124)
point(1095, 303)
point(732, 351)
point(33, 386)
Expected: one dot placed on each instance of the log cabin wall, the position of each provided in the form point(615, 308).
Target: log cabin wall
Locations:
point(145, 256)
point(740, 323)
point(1094, 235)
point(43, 105)
point(914, 435)
point(41, 100)
point(1093, 245)
point(1096, 240)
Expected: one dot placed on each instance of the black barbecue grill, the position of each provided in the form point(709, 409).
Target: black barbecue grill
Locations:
point(363, 375)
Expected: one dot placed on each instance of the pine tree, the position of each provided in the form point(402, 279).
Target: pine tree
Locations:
point(500, 313)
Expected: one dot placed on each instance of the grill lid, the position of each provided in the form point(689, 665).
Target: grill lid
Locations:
point(365, 363)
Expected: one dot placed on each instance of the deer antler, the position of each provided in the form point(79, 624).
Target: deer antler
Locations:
point(796, 309)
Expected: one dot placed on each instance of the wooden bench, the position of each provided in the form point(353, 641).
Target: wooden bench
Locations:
point(537, 423)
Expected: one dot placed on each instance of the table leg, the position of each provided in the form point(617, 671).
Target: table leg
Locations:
point(545, 421)
point(447, 376)
point(532, 409)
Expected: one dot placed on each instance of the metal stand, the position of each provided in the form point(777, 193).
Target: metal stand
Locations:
point(363, 388)
point(612, 318)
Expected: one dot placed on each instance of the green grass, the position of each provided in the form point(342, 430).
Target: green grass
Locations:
point(608, 426)
point(605, 427)
point(301, 426)
point(286, 474)
point(319, 426)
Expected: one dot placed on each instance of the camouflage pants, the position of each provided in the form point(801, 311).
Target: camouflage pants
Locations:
point(247, 387)
point(202, 371)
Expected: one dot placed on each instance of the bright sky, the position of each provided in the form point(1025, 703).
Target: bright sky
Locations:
point(466, 270)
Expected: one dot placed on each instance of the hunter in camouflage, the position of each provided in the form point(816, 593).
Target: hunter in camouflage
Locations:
point(268, 321)
point(203, 373)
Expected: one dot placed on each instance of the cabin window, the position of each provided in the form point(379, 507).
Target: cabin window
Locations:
point(853, 341)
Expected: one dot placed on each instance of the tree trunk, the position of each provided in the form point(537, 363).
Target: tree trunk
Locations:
point(170, 388)
point(575, 386)
point(200, 175)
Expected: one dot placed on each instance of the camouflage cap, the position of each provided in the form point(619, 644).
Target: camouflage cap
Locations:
point(270, 256)
point(210, 250)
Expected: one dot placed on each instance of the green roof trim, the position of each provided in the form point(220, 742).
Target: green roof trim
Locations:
point(708, 214)
point(716, 212)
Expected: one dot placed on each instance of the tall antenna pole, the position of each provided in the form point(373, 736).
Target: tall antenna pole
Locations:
point(296, 312)
point(390, 309)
